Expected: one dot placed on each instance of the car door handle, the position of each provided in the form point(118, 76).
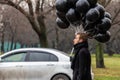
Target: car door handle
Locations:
point(19, 66)
point(50, 64)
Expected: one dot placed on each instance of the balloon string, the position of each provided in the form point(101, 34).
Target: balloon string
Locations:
point(78, 28)
point(74, 27)
point(86, 25)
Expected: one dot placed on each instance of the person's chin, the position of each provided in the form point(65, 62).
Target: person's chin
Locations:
point(74, 43)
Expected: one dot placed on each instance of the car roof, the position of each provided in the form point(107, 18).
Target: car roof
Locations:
point(36, 49)
point(62, 55)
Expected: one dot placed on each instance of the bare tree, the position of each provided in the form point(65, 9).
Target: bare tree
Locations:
point(35, 13)
point(2, 36)
point(100, 47)
point(115, 26)
point(2, 29)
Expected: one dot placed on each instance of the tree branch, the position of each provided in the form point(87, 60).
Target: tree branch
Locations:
point(37, 6)
point(30, 7)
point(112, 39)
point(10, 3)
point(19, 2)
point(48, 11)
point(3, 1)
point(107, 3)
point(29, 17)
point(102, 2)
point(42, 5)
point(115, 16)
point(115, 22)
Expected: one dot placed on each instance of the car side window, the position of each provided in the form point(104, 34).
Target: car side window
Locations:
point(42, 56)
point(53, 58)
point(17, 57)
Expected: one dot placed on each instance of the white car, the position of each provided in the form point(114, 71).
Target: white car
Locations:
point(35, 64)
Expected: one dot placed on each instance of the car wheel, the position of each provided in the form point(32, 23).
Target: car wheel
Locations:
point(60, 77)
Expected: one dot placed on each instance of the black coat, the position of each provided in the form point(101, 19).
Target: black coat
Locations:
point(81, 63)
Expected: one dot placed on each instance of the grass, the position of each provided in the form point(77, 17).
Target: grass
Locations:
point(112, 70)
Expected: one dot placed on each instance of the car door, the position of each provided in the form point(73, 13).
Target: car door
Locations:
point(40, 65)
point(11, 66)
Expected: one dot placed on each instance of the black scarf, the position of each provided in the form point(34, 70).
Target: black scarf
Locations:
point(77, 47)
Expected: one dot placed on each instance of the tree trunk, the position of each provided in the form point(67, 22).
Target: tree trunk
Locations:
point(43, 40)
point(15, 45)
point(109, 47)
point(12, 43)
point(99, 46)
point(22, 45)
point(36, 18)
point(99, 56)
point(57, 38)
point(2, 42)
point(42, 34)
point(8, 46)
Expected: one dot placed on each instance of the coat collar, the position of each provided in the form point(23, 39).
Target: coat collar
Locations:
point(81, 45)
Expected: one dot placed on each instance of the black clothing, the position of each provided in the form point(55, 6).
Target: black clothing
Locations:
point(81, 63)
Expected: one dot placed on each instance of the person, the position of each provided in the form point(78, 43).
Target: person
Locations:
point(81, 62)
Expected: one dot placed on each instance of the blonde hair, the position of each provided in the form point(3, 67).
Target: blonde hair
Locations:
point(83, 36)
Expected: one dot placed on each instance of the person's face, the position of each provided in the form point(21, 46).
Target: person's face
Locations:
point(77, 39)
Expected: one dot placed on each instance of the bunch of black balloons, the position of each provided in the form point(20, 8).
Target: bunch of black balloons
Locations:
point(88, 13)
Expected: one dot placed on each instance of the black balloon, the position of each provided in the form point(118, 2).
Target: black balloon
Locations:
point(103, 37)
point(92, 15)
point(82, 6)
point(92, 2)
point(108, 15)
point(101, 9)
point(73, 17)
point(71, 3)
point(61, 5)
point(92, 32)
point(104, 25)
point(88, 27)
point(62, 24)
point(61, 15)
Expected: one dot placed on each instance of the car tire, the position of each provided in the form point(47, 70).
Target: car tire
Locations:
point(60, 77)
